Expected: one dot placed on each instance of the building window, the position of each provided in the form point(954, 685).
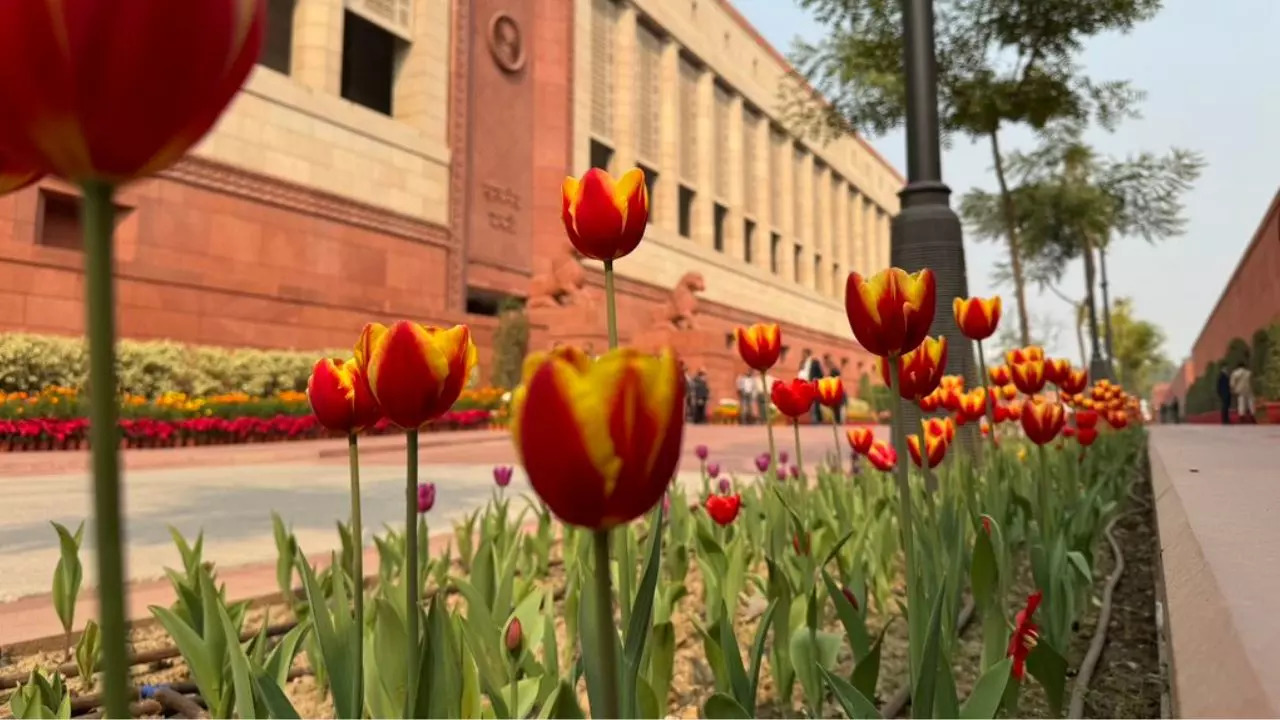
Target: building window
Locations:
point(797, 255)
point(604, 18)
point(277, 46)
point(650, 186)
point(601, 155)
point(775, 253)
point(817, 273)
point(748, 241)
point(481, 301)
point(836, 279)
point(59, 221)
point(368, 63)
point(721, 212)
point(686, 212)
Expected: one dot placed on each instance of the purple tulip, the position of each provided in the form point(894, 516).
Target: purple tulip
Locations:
point(702, 452)
point(795, 471)
point(426, 496)
point(502, 475)
point(713, 470)
point(724, 486)
point(782, 457)
point(762, 462)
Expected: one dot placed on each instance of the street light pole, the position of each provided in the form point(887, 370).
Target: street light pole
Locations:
point(927, 233)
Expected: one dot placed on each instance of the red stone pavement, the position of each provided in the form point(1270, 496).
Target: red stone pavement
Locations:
point(32, 620)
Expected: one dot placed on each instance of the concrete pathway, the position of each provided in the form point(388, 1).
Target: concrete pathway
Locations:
point(230, 491)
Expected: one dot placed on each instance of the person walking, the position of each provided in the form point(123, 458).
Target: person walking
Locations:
point(701, 395)
point(745, 410)
point(1224, 394)
point(1242, 388)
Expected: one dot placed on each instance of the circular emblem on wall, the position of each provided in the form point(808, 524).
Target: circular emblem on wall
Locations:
point(506, 44)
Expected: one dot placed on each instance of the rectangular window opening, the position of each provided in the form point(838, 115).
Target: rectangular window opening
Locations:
point(277, 45)
point(748, 241)
point(601, 155)
point(369, 59)
point(775, 253)
point(720, 213)
point(686, 212)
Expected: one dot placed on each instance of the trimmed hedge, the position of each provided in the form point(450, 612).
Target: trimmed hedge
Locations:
point(147, 368)
point(1263, 358)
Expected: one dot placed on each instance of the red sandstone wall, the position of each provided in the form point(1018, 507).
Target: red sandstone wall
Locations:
point(1252, 296)
point(208, 260)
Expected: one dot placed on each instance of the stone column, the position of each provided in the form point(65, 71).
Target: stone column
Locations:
point(857, 235)
point(704, 126)
point(624, 89)
point(841, 244)
point(317, 45)
point(733, 186)
point(786, 221)
point(668, 189)
point(764, 188)
point(807, 228)
point(421, 93)
point(823, 202)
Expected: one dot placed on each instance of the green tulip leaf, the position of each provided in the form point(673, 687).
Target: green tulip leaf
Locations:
point(866, 673)
point(562, 705)
point(723, 707)
point(855, 627)
point(852, 701)
point(924, 692)
point(984, 701)
point(983, 572)
point(1049, 668)
point(641, 621)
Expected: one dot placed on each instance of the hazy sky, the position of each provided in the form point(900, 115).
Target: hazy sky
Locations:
point(1209, 71)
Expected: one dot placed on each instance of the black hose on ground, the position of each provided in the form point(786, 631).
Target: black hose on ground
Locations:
point(1099, 641)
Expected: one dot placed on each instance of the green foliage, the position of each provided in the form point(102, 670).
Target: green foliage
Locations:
point(1267, 377)
point(1137, 350)
point(67, 575)
point(510, 343)
point(148, 368)
point(42, 696)
point(877, 395)
point(1237, 353)
point(89, 652)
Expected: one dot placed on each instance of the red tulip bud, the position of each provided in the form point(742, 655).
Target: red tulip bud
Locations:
point(515, 637)
point(848, 595)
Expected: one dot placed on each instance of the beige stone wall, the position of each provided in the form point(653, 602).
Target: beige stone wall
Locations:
point(298, 128)
point(836, 198)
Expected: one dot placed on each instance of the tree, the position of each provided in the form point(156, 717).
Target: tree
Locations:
point(1139, 346)
point(1000, 63)
point(1072, 203)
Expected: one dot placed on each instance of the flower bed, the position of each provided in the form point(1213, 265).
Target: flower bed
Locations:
point(55, 419)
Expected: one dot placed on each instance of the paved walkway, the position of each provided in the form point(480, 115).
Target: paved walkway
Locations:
point(1217, 492)
point(230, 491)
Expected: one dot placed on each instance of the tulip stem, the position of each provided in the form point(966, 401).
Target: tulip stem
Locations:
point(904, 505)
point(411, 579)
point(606, 635)
point(835, 433)
point(799, 456)
point(357, 562)
point(1043, 487)
point(768, 424)
point(98, 221)
point(989, 399)
point(610, 304)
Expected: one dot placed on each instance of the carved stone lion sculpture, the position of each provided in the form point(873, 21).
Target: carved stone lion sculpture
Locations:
point(679, 310)
point(563, 284)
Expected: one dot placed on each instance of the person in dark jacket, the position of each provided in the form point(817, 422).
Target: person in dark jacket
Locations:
point(701, 396)
point(1224, 394)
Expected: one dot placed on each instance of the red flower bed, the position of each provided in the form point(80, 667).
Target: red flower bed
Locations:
point(71, 433)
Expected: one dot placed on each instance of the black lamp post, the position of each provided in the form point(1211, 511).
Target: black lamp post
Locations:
point(927, 233)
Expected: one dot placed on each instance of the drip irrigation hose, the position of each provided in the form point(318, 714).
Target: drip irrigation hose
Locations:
point(139, 708)
point(1099, 641)
point(178, 704)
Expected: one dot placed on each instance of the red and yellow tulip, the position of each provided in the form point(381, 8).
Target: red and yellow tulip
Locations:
point(599, 440)
point(1028, 376)
point(890, 313)
point(1057, 370)
point(882, 456)
point(340, 396)
point(416, 372)
point(860, 439)
point(759, 345)
point(605, 219)
point(1074, 382)
point(935, 449)
point(973, 404)
point(830, 391)
point(115, 111)
point(920, 370)
point(977, 317)
point(999, 375)
point(793, 399)
point(1042, 420)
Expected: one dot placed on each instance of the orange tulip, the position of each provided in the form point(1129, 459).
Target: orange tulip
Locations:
point(977, 317)
point(1042, 421)
point(85, 107)
point(340, 396)
point(1117, 420)
point(759, 345)
point(931, 402)
point(935, 448)
point(1013, 411)
point(890, 312)
point(860, 439)
point(1028, 376)
point(920, 370)
point(943, 428)
point(416, 372)
point(793, 399)
point(999, 375)
point(1056, 371)
point(830, 391)
point(599, 440)
point(605, 220)
point(1009, 392)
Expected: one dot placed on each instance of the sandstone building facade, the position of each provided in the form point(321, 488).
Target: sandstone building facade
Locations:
point(403, 158)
